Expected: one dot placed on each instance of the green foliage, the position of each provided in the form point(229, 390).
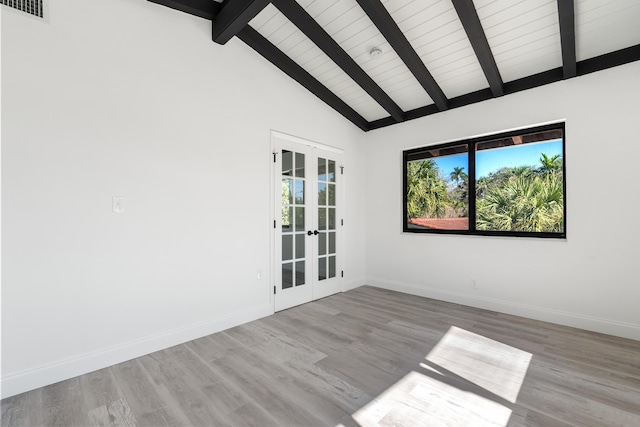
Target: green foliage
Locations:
point(522, 199)
point(550, 165)
point(426, 190)
point(458, 175)
point(459, 193)
point(286, 200)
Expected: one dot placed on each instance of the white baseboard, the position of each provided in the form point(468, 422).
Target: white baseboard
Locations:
point(590, 323)
point(61, 370)
point(353, 284)
point(43, 375)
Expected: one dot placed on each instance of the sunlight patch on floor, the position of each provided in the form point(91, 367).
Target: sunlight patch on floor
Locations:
point(443, 394)
point(421, 400)
point(430, 368)
point(496, 367)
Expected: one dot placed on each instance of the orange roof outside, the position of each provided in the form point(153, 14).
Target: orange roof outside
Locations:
point(442, 223)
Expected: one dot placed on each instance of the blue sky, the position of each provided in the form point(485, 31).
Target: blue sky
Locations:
point(488, 161)
point(447, 163)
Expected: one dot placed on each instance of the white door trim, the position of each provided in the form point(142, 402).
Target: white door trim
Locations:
point(291, 138)
point(277, 138)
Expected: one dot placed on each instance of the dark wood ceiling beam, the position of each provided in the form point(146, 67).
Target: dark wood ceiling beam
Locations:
point(471, 23)
point(591, 65)
point(608, 60)
point(278, 58)
point(567, 38)
point(234, 16)
point(301, 19)
point(390, 30)
point(207, 9)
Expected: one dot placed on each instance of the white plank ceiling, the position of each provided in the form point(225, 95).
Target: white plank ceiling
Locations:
point(347, 23)
point(435, 32)
point(276, 28)
point(604, 26)
point(523, 37)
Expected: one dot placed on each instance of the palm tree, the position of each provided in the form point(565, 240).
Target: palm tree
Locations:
point(550, 164)
point(459, 196)
point(426, 191)
point(458, 175)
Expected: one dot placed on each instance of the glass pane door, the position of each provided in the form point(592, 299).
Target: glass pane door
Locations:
point(326, 218)
point(327, 272)
point(293, 280)
point(307, 224)
point(293, 219)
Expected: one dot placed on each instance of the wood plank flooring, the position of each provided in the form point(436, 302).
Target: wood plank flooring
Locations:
point(367, 357)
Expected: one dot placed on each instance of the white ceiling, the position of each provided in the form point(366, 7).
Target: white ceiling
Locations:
point(523, 36)
point(436, 54)
point(288, 38)
point(436, 34)
point(604, 26)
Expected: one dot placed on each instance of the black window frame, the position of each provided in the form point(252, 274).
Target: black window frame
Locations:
point(415, 153)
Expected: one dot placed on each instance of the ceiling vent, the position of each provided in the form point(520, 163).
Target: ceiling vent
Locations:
point(35, 8)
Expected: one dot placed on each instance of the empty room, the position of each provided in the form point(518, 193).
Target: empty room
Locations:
point(320, 213)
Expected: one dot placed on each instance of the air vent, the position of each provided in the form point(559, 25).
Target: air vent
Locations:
point(35, 8)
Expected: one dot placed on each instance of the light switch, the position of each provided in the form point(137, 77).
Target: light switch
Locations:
point(118, 204)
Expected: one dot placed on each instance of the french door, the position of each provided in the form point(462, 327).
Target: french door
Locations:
point(308, 222)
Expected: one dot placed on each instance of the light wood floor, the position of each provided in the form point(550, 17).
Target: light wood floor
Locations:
point(368, 357)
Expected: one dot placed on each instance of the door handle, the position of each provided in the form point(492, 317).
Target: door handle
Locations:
point(316, 232)
point(309, 233)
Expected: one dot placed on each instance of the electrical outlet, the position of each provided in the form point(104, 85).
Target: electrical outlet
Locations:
point(117, 204)
point(474, 284)
point(259, 274)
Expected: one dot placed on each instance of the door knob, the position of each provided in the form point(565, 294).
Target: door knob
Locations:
point(316, 232)
point(309, 233)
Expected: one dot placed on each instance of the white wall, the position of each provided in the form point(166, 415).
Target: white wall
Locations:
point(128, 98)
point(589, 280)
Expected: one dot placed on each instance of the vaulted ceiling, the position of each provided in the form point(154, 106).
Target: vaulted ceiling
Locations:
point(381, 62)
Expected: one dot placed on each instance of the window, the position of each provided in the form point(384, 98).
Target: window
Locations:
point(508, 184)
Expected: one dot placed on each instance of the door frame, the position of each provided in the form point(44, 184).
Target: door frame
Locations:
point(287, 138)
